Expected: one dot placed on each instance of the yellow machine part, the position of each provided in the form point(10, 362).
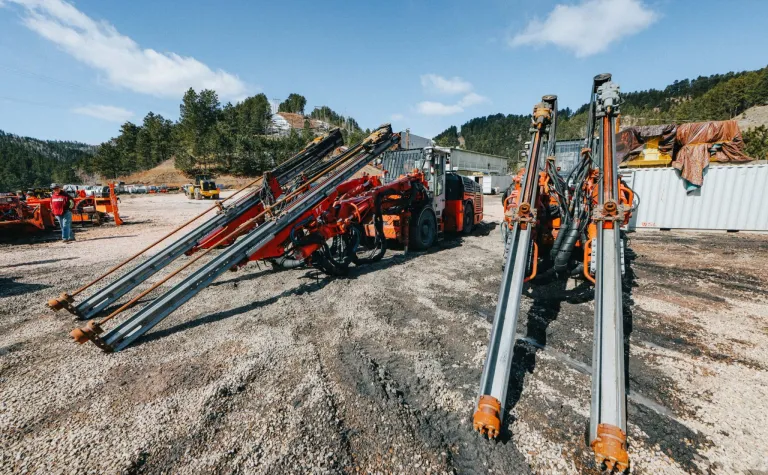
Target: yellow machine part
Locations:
point(651, 156)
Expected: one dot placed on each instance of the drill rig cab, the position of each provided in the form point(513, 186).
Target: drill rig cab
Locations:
point(454, 203)
point(204, 188)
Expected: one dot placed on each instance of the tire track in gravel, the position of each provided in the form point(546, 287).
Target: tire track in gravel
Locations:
point(434, 438)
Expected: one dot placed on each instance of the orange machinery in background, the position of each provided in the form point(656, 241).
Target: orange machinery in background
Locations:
point(88, 209)
point(17, 214)
point(452, 202)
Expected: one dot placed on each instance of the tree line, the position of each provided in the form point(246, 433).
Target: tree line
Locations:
point(716, 97)
point(235, 139)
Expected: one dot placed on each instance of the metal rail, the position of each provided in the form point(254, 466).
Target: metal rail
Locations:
point(304, 161)
point(518, 248)
point(338, 172)
point(608, 418)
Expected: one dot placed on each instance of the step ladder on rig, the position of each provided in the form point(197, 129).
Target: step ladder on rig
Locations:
point(247, 239)
point(593, 203)
point(259, 192)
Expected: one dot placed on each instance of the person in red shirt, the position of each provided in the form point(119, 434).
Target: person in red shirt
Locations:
point(61, 206)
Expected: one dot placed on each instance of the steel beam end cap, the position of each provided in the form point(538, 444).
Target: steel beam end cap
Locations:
point(610, 448)
point(60, 302)
point(487, 418)
point(90, 331)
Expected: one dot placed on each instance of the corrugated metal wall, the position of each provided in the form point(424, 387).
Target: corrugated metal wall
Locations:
point(409, 141)
point(469, 161)
point(732, 198)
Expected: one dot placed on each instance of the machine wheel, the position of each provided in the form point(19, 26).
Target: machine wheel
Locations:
point(334, 258)
point(469, 218)
point(368, 249)
point(423, 232)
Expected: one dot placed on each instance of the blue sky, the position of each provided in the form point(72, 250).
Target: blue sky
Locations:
point(76, 70)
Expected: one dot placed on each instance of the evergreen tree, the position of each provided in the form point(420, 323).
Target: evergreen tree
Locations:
point(448, 138)
point(756, 143)
point(294, 104)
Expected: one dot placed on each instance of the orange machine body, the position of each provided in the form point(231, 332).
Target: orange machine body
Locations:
point(16, 214)
point(87, 209)
point(452, 218)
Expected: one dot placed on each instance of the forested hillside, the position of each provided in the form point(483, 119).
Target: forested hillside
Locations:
point(235, 139)
point(716, 97)
point(26, 162)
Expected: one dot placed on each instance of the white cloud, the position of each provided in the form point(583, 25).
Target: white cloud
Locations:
point(436, 84)
point(122, 60)
point(472, 99)
point(589, 27)
point(397, 117)
point(437, 108)
point(108, 113)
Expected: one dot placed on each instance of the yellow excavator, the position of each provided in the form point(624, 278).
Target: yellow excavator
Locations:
point(204, 188)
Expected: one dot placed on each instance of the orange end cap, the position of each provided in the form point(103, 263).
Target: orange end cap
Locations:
point(610, 447)
point(487, 418)
point(79, 335)
point(55, 304)
point(62, 301)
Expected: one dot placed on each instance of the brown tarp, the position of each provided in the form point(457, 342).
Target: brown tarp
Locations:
point(630, 141)
point(696, 139)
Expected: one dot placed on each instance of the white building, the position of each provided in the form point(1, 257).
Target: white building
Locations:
point(283, 122)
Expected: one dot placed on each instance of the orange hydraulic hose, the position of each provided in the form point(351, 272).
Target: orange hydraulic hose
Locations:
point(162, 238)
point(234, 232)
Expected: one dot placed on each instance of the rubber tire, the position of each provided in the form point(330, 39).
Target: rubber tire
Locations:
point(423, 232)
point(469, 217)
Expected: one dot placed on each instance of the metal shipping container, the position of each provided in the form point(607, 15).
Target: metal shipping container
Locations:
point(733, 198)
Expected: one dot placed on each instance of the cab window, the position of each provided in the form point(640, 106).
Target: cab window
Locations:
point(439, 165)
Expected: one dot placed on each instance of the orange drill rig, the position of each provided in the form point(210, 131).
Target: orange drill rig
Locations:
point(564, 227)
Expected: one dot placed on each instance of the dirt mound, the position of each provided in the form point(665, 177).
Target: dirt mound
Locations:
point(753, 117)
point(167, 174)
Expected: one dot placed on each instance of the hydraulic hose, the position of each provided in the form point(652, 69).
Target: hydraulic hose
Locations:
point(559, 239)
point(564, 253)
point(287, 263)
point(379, 239)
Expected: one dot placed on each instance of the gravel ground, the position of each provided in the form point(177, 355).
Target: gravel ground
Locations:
point(273, 372)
